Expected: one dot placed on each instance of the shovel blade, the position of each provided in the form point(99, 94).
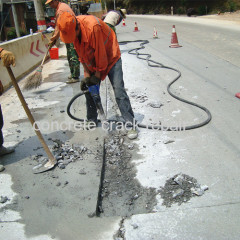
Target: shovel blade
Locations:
point(44, 166)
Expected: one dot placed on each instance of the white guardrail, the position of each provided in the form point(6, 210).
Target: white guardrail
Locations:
point(28, 51)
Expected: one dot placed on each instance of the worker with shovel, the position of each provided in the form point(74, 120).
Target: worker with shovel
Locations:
point(7, 59)
point(71, 52)
point(99, 52)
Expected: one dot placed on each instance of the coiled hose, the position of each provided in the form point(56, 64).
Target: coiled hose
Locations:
point(152, 63)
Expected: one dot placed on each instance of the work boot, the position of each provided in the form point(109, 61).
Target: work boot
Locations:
point(73, 80)
point(4, 150)
point(132, 134)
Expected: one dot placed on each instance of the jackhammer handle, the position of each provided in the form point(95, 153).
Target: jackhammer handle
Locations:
point(30, 117)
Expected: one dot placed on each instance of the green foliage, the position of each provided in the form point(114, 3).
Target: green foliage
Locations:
point(232, 6)
point(180, 6)
point(11, 34)
point(181, 10)
point(201, 10)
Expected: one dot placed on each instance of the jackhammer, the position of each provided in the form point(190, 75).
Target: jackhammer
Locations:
point(94, 91)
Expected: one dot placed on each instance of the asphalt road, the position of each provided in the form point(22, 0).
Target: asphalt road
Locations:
point(209, 63)
point(59, 204)
point(217, 37)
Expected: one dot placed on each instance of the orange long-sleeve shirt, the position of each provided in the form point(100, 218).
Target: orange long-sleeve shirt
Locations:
point(98, 47)
point(61, 8)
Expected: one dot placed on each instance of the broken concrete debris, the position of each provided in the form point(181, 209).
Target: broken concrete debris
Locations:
point(180, 188)
point(64, 153)
point(134, 225)
point(155, 104)
point(3, 199)
point(141, 98)
point(121, 193)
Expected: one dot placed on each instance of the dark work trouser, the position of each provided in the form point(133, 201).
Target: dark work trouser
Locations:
point(116, 78)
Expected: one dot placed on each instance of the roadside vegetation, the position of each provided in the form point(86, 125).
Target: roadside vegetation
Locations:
point(194, 7)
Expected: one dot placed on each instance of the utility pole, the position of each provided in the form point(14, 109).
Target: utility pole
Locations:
point(40, 15)
point(14, 12)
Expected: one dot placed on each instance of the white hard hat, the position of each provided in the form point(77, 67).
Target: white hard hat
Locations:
point(124, 11)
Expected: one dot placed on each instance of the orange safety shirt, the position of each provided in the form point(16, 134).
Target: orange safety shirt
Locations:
point(99, 48)
point(61, 8)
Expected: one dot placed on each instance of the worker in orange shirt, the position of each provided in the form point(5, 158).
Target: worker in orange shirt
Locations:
point(71, 52)
point(7, 59)
point(98, 50)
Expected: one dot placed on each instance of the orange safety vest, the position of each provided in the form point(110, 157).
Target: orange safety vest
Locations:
point(99, 48)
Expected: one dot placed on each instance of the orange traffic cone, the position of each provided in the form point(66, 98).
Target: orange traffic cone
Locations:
point(155, 33)
point(237, 95)
point(124, 24)
point(136, 27)
point(174, 40)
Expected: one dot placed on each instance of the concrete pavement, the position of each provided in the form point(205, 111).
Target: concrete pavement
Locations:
point(60, 203)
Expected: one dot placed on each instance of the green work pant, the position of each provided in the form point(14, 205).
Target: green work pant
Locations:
point(73, 61)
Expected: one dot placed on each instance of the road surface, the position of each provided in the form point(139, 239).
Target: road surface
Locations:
point(60, 204)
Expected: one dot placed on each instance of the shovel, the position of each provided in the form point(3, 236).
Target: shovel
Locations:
point(45, 166)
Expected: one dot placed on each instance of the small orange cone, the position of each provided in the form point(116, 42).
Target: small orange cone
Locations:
point(124, 24)
point(174, 40)
point(136, 27)
point(237, 95)
point(155, 33)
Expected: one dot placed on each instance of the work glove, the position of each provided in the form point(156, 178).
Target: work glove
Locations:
point(51, 43)
point(1, 88)
point(7, 58)
point(83, 83)
point(93, 81)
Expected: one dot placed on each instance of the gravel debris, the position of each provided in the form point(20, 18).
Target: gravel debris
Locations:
point(180, 189)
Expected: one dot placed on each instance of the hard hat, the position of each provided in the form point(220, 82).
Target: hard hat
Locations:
point(124, 11)
point(48, 1)
point(67, 25)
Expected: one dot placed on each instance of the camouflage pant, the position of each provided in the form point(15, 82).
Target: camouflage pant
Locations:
point(73, 61)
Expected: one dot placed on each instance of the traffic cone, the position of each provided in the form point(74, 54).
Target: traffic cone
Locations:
point(155, 33)
point(124, 24)
point(237, 95)
point(136, 27)
point(174, 40)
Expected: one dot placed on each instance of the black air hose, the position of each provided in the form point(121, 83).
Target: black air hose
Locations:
point(152, 63)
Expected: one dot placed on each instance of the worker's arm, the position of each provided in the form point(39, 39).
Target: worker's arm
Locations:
point(56, 34)
point(86, 71)
point(55, 37)
point(98, 42)
point(98, 74)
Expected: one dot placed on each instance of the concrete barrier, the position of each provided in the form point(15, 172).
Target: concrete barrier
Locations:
point(29, 52)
